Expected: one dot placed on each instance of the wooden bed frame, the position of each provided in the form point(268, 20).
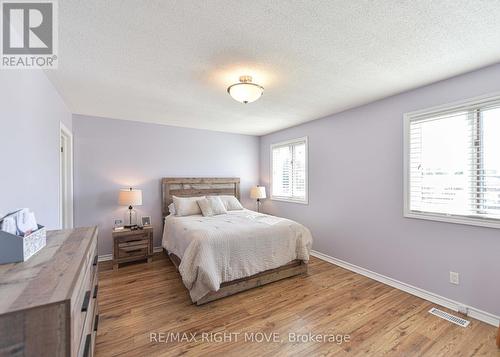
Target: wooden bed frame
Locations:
point(189, 187)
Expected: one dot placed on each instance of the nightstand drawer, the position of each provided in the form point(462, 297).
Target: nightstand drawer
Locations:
point(132, 237)
point(134, 243)
point(133, 251)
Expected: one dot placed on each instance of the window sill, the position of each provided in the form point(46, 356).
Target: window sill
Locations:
point(453, 219)
point(290, 200)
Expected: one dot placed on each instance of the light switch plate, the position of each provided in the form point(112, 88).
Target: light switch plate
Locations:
point(454, 278)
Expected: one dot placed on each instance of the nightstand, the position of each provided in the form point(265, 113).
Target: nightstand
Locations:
point(131, 245)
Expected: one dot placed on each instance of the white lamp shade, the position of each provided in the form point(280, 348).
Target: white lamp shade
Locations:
point(130, 197)
point(258, 192)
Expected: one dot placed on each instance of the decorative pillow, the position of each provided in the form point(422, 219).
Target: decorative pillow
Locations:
point(230, 202)
point(206, 207)
point(187, 206)
point(217, 205)
point(171, 209)
point(211, 206)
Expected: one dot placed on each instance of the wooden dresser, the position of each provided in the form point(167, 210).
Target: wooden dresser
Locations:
point(48, 304)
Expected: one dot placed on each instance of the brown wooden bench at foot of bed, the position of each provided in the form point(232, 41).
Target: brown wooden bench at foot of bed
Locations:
point(293, 268)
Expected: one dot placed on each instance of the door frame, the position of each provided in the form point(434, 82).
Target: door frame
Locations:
point(66, 207)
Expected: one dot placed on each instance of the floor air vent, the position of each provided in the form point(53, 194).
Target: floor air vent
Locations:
point(454, 319)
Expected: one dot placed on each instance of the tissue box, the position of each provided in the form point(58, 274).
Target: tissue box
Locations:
point(15, 249)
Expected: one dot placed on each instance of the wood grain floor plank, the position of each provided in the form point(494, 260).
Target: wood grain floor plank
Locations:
point(140, 299)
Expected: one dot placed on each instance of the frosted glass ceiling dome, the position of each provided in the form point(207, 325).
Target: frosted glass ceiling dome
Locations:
point(245, 91)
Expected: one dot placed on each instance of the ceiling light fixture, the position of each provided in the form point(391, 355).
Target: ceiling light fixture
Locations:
point(245, 91)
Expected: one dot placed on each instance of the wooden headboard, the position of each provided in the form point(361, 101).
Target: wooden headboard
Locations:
point(201, 186)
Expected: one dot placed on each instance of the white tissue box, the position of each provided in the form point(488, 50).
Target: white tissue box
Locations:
point(15, 249)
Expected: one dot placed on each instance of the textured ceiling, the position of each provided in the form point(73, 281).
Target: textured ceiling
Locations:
point(170, 62)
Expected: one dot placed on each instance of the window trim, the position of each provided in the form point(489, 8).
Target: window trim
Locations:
point(466, 105)
point(305, 201)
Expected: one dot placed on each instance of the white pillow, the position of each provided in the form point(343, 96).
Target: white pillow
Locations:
point(186, 206)
point(206, 207)
point(171, 209)
point(211, 206)
point(217, 205)
point(230, 202)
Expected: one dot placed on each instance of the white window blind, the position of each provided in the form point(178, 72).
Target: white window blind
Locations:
point(453, 164)
point(289, 170)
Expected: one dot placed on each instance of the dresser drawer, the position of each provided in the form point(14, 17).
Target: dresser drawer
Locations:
point(83, 300)
point(90, 325)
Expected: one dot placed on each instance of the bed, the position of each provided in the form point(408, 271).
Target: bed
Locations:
point(222, 255)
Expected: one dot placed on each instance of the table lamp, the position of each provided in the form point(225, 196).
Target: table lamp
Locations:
point(258, 192)
point(130, 197)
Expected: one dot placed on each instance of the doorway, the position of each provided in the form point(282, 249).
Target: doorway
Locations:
point(66, 178)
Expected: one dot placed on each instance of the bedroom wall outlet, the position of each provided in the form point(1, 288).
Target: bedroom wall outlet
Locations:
point(454, 278)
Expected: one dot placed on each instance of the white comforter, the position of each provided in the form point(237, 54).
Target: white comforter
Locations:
point(231, 246)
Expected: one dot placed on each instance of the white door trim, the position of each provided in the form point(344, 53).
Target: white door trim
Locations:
point(66, 208)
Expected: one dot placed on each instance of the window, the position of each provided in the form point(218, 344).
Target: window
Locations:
point(289, 171)
point(452, 163)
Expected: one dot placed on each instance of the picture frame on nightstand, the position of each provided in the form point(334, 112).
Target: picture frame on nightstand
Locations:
point(118, 224)
point(146, 221)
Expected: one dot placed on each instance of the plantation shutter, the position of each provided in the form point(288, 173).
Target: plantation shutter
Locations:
point(282, 171)
point(289, 166)
point(454, 163)
point(299, 170)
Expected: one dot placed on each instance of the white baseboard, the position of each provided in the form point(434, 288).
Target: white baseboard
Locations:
point(107, 257)
point(158, 249)
point(421, 293)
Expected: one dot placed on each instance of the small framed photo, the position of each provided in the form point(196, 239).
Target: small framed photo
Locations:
point(118, 223)
point(146, 220)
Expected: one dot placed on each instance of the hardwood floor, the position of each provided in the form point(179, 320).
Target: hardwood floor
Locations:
point(143, 299)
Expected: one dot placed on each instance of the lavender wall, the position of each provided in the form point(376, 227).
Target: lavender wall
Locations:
point(30, 113)
point(355, 209)
point(111, 154)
